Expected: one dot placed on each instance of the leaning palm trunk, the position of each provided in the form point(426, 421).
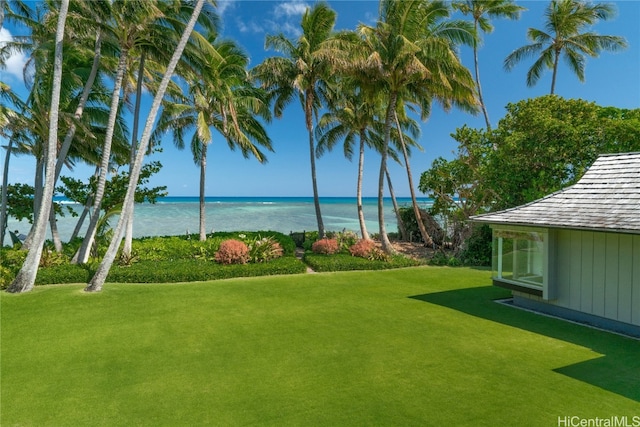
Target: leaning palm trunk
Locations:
point(85, 249)
point(100, 276)
point(26, 277)
point(403, 230)
point(5, 185)
point(416, 209)
point(312, 154)
point(38, 186)
point(128, 237)
point(85, 211)
point(66, 144)
point(363, 225)
point(203, 176)
point(477, 75)
point(384, 239)
point(55, 236)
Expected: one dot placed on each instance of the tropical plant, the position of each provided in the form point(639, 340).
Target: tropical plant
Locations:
point(25, 278)
point(413, 54)
point(263, 249)
point(302, 71)
point(563, 35)
point(96, 283)
point(481, 11)
point(223, 99)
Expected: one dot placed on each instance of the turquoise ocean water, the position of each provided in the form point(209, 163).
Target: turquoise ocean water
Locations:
point(180, 215)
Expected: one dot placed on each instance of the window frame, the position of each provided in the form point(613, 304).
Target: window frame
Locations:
point(544, 289)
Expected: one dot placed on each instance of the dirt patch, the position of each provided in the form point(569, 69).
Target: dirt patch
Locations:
point(413, 250)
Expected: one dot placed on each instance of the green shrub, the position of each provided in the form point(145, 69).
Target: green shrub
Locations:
point(477, 250)
point(51, 258)
point(310, 237)
point(65, 273)
point(10, 263)
point(344, 262)
point(441, 258)
point(195, 270)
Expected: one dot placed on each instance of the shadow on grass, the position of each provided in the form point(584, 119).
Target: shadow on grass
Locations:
point(618, 370)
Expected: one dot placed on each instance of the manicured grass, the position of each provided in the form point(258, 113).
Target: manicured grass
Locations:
point(419, 346)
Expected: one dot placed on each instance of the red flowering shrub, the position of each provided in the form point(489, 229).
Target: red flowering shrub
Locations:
point(362, 248)
point(367, 249)
point(325, 246)
point(232, 252)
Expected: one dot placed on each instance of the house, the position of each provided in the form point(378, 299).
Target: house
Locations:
point(576, 253)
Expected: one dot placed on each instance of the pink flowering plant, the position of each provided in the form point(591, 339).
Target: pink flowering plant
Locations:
point(232, 251)
point(325, 246)
point(367, 249)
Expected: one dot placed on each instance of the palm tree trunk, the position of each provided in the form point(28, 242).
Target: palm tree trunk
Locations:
point(203, 176)
point(5, 187)
point(38, 186)
point(403, 230)
point(556, 59)
point(128, 237)
point(55, 236)
point(414, 201)
point(384, 239)
point(66, 144)
point(100, 276)
point(85, 248)
point(308, 112)
point(26, 277)
point(363, 225)
point(83, 215)
point(477, 71)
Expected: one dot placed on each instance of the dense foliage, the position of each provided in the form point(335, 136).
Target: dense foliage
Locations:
point(347, 262)
point(541, 146)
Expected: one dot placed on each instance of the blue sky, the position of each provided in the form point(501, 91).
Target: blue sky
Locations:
point(613, 79)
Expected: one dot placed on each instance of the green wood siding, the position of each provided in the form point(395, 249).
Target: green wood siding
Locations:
point(611, 275)
point(635, 280)
point(599, 273)
point(625, 277)
point(586, 273)
point(599, 240)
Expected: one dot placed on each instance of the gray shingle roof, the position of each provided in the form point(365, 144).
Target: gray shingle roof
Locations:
point(606, 198)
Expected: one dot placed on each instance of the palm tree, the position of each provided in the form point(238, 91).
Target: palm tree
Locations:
point(481, 11)
point(25, 279)
point(563, 35)
point(414, 55)
point(131, 20)
point(352, 114)
point(225, 100)
point(9, 123)
point(302, 71)
point(151, 52)
point(100, 276)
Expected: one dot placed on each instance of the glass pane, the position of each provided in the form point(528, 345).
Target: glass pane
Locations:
point(518, 256)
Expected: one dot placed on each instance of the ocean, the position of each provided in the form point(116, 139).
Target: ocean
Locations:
point(180, 215)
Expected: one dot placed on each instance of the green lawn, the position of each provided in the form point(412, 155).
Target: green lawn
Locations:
point(419, 346)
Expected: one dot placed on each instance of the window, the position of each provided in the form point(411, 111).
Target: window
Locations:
point(520, 258)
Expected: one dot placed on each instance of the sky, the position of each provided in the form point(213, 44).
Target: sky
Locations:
point(612, 79)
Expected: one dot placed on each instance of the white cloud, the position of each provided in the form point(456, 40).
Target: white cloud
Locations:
point(289, 28)
point(290, 8)
point(15, 63)
point(223, 5)
point(249, 27)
